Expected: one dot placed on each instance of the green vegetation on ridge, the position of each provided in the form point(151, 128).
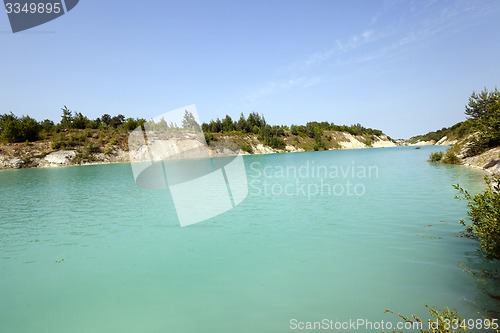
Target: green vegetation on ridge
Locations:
point(455, 132)
point(311, 136)
point(94, 135)
point(478, 133)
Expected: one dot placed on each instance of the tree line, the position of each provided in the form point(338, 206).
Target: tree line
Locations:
point(255, 122)
point(272, 135)
point(22, 129)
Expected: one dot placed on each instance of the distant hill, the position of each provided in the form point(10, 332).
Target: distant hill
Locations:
point(456, 132)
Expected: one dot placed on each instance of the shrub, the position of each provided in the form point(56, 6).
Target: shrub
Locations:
point(91, 149)
point(484, 213)
point(319, 145)
point(108, 150)
point(436, 156)
point(14, 129)
point(269, 135)
point(443, 321)
point(246, 148)
point(60, 142)
point(130, 124)
point(208, 137)
point(450, 157)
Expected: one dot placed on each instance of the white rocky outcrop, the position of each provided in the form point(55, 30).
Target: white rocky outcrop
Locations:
point(489, 161)
point(10, 163)
point(292, 149)
point(382, 142)
point(444, 141)
point(351, 142)
point(423, 143)
point(61, 157)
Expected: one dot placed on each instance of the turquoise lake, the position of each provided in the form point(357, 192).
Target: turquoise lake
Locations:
point(84, 249)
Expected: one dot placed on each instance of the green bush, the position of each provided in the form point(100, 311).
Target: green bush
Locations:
point(443, 321)
point(270, 136)
point(14, 129)
point(436, 156)
point(90, 148)
point(59, 142)
point(450, 157)
point(208, 137)
point(246, 148)
point(484, 213)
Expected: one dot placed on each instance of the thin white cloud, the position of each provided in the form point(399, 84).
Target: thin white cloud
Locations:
point(356, 41)
point(275, 87)
point(353, 42)
point(415, 23)
point(319, 57)
point(313, 81)
point(408, 25)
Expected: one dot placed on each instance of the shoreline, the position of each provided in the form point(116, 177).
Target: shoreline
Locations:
point(42, 154)
point(70, 164)
point(488, 162)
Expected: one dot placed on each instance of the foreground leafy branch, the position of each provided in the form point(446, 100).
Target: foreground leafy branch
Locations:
point(484, 213)
point(443, 321)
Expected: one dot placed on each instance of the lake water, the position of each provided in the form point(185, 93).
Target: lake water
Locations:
point(340, 235)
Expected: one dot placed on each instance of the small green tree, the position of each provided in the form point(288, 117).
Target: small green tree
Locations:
point(66, 118)
point(189, 122)
point(106, 119)
point(117, 121)
point(312, 128)
point(80, 121)
point(255, 120)
point(242, 125)
point(10, 128)
point(47, 125)
point(269, 136)
point(228, 124)
point(130, 124)
point(30, 129)
point(14, 129)
point(484, 111)
point(318, 143)
point(484, 212)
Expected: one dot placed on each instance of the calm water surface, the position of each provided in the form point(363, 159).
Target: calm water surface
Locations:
point(83, 249)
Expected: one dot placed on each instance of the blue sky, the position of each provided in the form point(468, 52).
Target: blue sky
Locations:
point(405, 67)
